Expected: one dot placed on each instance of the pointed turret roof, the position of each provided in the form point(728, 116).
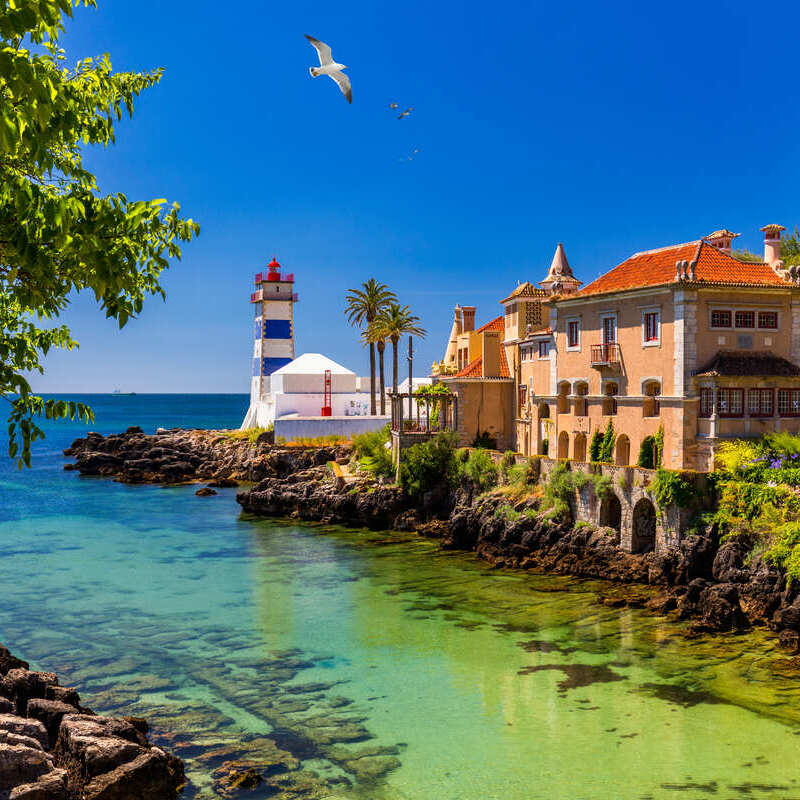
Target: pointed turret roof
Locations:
point(560, 271)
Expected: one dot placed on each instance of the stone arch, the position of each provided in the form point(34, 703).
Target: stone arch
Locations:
point(651, 405)
point(563, 397)
point(543, 417)
point(611, 512)
point(622, 456)
point(563, 445)
point(579, 447)
point(643, 526)
point(581, 389)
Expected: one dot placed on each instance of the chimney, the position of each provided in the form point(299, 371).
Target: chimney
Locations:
point(722, 240)
point(772, 244)
point(467, 319)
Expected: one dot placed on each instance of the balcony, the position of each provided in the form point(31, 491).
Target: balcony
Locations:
point(256, 297)
point(604, 355)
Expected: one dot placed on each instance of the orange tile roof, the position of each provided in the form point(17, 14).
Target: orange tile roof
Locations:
point(475, 367)
point(497, 324)
point(657, 267)
point(526, 289)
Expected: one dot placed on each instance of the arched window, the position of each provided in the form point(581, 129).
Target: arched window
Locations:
point(563, 445)
point(651, 405)
point(579, 447)
point(610, 399)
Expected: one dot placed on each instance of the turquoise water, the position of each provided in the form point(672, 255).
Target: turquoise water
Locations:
point(362, 665)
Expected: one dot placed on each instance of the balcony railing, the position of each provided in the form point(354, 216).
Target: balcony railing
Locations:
point(603, 355)
point(421, 413)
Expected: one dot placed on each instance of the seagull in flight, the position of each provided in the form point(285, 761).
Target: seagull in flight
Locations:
point(406, 112)
point(327, 66)
point(392, 107)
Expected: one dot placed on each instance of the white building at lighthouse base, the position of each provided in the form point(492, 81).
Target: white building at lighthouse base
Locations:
point(292, 398)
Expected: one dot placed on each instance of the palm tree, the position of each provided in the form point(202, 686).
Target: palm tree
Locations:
point(396, 321)
point(363, 307)
point(375, 335)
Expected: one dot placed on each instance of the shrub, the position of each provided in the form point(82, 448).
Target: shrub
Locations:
point(596, 445)
point(560, 490)
point(603, 485)
point(735, 456)
point(372, 451)
point(646, 453)
point(429, 464)
point(508, 513)
point(785, 550)
point(484, 440)
point(479, 470)
point(251, 434)
point(669, 487)
point(658, 447)
point(606, 454)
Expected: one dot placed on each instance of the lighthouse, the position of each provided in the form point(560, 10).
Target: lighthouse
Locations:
point(273, 347)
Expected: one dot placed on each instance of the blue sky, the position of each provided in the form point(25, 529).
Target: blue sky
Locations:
point(612, 127)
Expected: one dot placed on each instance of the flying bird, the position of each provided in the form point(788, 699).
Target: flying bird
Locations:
point(392, 107)
point(327, 66)
point(406, 112)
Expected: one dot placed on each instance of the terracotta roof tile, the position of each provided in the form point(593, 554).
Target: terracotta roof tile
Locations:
point(734, 363)
point(526, 289)
point(657, 267)
point(497, 324)
point(475, 367)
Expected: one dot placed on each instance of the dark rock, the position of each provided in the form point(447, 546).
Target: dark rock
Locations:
point(20, 685)
point(7, 662)
point(21, 765)
point(134, 429)
point(205, 492)
point(49, 713)
point(20, 726)
point(151, 774)
point(223, 483)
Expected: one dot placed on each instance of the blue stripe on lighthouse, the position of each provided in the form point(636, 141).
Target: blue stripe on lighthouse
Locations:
point(269, 365)
point(277, 329)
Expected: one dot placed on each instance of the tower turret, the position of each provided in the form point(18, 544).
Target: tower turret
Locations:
point(274, 325)
point(560, 279)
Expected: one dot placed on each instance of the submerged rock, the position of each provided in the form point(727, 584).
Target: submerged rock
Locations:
point(53, 749)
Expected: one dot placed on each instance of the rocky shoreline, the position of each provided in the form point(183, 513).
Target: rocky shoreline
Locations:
point(52, 748)
point(716, 586)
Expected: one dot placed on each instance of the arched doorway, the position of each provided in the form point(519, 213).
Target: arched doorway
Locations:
point(623, 453)
point(579, 447)
point(543, 415)
point(563, 445)
point(581, 390)
point(611, 512)
point(643, 538)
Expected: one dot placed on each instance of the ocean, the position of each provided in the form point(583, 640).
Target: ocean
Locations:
point(354, 664)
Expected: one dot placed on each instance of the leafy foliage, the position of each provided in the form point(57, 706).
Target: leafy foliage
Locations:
point(596, 445)
point(395, 321)
point(658, 447)
point(479, 470)
point(606, 454)
point(669, 487)
point(785, 550)
point(485, 440)
point(58, 234)
point(372, 451)
point(646, 457)
point(603, 485)
point(560, 490)
point(429, 464)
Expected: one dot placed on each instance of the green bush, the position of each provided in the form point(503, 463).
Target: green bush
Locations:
point(606, 454)
point(479, 471)
point(596, 445)
point(785, 550)
point(646, 453)
point(560, 490)
point(429, 464)
point(669, 487)
point(484, 440)
point(372, 452)
point(603, 485)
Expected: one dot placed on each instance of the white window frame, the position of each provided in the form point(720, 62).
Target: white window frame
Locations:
point(657, 341)
point(539, 355)
point(731, 311)
point(603, 317)
point(577, 347)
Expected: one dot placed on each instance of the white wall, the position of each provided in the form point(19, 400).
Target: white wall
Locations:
point(310, 427)
point(302, 384)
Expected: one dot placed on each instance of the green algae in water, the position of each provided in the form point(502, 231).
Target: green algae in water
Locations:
point(343, 669)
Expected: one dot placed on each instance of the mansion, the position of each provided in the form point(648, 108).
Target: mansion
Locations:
point(686, 342)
